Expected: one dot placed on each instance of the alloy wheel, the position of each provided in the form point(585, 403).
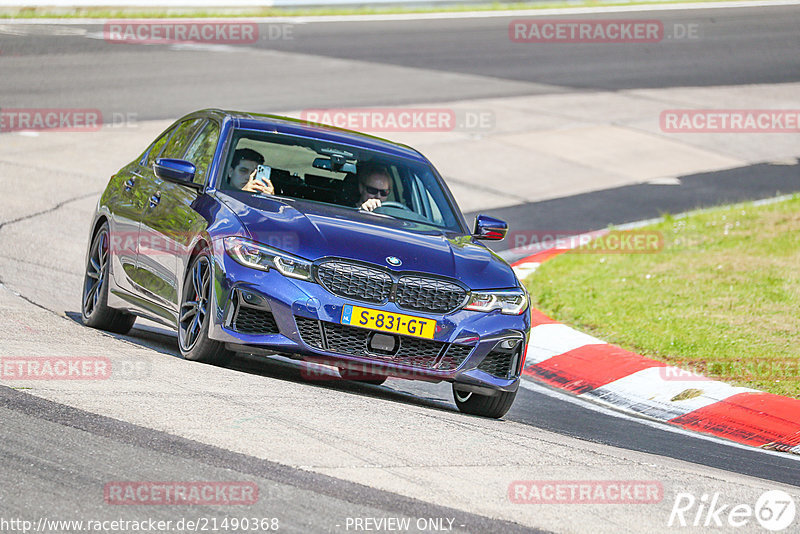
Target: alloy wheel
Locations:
point(195, 303)
point(95, 273)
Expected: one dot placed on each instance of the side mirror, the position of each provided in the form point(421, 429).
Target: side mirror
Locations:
point(489, 228)
point(176, 170)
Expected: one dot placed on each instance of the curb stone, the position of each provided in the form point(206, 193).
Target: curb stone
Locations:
point(562, 357)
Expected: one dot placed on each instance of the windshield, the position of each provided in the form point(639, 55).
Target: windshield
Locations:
point(320, 171)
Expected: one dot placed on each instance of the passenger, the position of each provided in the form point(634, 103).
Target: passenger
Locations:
point(242, 174)
point(374, 186)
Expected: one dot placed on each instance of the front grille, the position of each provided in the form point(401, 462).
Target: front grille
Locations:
point(411, 292)
point(428, 294)
point(352, 341)
point(498, 362)
point(355, 281)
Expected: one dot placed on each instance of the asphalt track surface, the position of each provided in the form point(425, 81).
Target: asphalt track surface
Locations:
point(58, 451)
point(464, 58)
point(39, 438)
point(726, 49)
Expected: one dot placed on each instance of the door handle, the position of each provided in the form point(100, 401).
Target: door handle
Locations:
point(155, 199)
point(129, 183)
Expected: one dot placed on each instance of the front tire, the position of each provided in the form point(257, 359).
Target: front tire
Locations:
point(495, 406)
point(194, 318)
point(95, 311)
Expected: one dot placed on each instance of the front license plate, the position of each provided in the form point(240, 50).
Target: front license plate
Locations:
point(396, 323)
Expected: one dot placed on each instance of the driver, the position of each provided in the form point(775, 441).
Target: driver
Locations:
point(374, 186)
point(242, 173)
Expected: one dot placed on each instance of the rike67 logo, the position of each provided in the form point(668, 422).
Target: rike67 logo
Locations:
point(774, 510)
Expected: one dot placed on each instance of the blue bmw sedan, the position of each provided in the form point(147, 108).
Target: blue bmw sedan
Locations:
point(268, 235)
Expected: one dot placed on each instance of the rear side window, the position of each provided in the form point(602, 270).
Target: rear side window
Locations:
point(179, 142)
point(202, 151)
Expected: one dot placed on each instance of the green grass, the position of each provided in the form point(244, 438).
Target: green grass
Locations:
point(720, 299)
point(129, 13)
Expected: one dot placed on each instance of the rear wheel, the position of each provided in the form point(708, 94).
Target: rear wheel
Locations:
point(194, 318)
point(360, 376)
point(94, 298)
point(495, 406)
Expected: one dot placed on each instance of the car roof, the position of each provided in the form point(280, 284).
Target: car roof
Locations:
point(302, 128)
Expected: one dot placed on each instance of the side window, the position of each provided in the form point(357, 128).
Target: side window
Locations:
point(202, 151)
point(155, 149)
point(176, 147)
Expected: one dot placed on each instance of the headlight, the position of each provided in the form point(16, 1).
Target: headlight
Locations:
point(508, 301)
point(258, 256)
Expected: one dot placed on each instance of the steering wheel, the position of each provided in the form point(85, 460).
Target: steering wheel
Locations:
point(392, 204)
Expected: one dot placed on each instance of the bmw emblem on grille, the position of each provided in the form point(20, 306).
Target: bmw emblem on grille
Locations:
point(395, 261)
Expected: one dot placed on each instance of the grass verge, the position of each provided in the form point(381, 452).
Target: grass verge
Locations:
point(392, 9)
point(720, 299)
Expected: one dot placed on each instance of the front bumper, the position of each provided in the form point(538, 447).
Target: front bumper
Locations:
point(264, 312)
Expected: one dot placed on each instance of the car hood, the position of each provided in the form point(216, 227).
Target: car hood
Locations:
point(314, 230)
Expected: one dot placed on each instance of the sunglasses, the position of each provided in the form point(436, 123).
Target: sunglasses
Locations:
point(376, 191)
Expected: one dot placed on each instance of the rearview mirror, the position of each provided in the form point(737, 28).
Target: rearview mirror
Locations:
point(489, 228)
point(337, 165)
point(176, 170)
